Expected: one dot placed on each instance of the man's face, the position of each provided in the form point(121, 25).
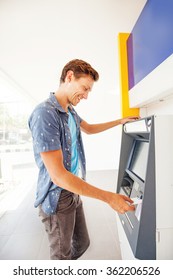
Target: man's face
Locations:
point(79, 89)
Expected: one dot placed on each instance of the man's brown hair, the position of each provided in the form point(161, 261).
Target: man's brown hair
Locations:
point(79, 68)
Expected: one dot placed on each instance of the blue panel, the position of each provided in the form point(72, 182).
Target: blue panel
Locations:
point(151, 40)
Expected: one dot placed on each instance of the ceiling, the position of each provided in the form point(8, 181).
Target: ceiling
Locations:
point(38, 37)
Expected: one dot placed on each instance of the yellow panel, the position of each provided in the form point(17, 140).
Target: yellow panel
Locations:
point(123, 65)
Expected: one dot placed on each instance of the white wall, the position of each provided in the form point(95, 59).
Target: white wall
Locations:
point(39, 36)
point(102, 150)
point(154, 94)
point(162, 107)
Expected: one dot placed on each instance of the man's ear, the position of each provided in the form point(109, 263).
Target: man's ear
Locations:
point(69, 76)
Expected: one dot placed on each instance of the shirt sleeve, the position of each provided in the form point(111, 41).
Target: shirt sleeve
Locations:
point(45, 128)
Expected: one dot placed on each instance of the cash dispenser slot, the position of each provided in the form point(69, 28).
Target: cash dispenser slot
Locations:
point(127, 185)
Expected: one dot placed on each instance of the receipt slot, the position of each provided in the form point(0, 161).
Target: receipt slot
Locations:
point(146, 176)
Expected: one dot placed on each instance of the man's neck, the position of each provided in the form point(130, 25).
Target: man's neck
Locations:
point(62, 99)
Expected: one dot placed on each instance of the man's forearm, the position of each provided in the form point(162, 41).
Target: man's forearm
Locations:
point(96, 128)
point(76, 185)
point(53, 161)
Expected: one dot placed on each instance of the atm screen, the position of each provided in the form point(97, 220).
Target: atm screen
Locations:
point(138, 161)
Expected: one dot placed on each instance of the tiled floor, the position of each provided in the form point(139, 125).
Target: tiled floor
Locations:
point(22, 235)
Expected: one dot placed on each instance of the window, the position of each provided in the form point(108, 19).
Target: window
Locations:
point(16, 156)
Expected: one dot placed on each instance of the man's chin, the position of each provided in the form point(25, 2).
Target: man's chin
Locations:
point(74, 103)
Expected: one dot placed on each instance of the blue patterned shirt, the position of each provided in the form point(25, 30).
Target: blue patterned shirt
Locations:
point(50, 131)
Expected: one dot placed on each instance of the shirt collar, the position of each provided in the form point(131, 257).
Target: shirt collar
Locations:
point(55, 102)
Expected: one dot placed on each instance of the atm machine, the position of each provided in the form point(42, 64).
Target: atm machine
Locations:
point(146, 175)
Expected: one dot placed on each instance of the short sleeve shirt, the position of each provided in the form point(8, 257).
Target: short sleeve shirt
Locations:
point(50, 131)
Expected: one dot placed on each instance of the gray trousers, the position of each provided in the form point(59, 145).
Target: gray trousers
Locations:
point(67, 231)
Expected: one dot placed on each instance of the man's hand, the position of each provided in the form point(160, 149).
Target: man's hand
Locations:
point(129, 119)
point(121, 203)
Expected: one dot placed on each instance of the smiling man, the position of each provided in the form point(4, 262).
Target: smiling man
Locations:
point(59, 154)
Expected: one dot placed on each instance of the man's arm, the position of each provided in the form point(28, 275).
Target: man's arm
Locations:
point(96, 128)
point(53, 161)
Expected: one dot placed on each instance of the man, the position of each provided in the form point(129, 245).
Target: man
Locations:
point(59, 154)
